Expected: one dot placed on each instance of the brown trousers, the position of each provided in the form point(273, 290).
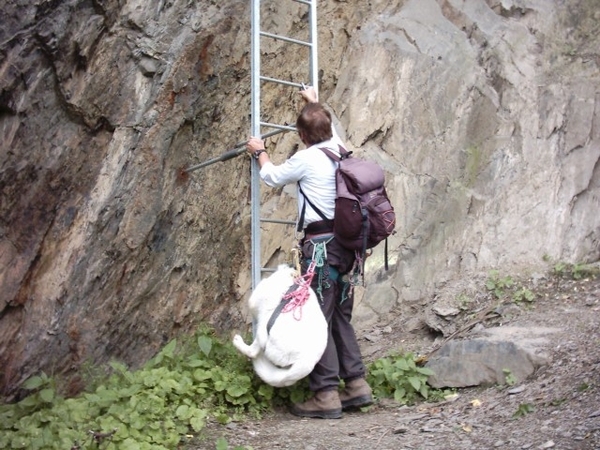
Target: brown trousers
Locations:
point(342, 358)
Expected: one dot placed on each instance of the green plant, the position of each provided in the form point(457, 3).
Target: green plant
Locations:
point(464, 301)
point(583, 387)
point(223, 445)
point(399, 377)
point(557, 401)
point(522, 410)
point(575, 271)
point(509, 378)
point(169, 400)
point(560, 269)
point(497, 285)
point(175, 393)
point(581, 271)
point(523, 295)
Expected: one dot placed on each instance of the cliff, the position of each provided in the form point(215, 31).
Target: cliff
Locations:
point(484, 114)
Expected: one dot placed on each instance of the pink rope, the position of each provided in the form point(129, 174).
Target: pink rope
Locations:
point(300, 295)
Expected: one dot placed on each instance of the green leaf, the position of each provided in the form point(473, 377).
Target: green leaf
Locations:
point(205, 343)
point(28, 401)
point(130, 444)
point(415, 383)
point(402, 364)
point(20, 442)
point(221, 385)
point(222, 444)
point(523, 409)
point(266, 391)
point(425, 371)
point(399, 395)
point(169, 384)
point(197, 424)
point(33, 383)
point(201, 374)
point(195, 362)
point(118, 367)
point(183, 412)
point(241, 387)
point(223, 419)
point(47, 395)
point(169, 349)
point(297, 396)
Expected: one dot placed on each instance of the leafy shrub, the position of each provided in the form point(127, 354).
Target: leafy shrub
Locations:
point(497, 285)
point(400, 378)
point(576, 271)
point(523, 295)
point(174, 394)
point(523, 410)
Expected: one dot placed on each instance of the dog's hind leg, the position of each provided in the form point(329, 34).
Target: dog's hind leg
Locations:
point(251, 351)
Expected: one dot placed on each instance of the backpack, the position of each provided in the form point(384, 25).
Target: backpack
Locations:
point(364, 215)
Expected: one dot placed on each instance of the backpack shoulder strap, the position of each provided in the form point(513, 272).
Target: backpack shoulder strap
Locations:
point(343, 153)
point(306, 200)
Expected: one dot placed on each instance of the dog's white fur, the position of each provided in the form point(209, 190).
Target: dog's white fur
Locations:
point(291, 349)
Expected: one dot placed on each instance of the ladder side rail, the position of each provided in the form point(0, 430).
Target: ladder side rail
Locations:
point(314, 57)
point(255, 125)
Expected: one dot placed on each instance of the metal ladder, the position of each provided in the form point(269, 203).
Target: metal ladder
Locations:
point(257, 80)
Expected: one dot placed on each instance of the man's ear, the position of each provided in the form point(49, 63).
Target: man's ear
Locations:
point(302, 137)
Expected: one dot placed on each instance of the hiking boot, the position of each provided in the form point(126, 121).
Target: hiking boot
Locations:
point(324, 405)
point(356, 394)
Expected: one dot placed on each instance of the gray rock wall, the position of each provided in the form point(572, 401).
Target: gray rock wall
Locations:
point(488, 126)
point(484, 115)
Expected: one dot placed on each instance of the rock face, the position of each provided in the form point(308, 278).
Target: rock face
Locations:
point(485, 115)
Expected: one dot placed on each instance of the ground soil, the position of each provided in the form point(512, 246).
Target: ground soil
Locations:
point(560, 401)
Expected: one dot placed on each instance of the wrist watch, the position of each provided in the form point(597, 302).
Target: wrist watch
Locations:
point(257, 153)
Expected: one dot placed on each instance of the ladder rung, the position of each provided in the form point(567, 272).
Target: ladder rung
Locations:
point(306, 2)
point(239, 148)
point(285, 222)
point(287, 83)
point(287, 39)
point(279, 127)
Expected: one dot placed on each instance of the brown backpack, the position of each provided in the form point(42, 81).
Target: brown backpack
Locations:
point(364, 215)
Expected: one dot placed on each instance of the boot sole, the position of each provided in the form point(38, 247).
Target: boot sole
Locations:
point(329, 414)
point(357, 402)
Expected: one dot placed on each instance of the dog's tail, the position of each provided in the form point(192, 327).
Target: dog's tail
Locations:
point(281, 376)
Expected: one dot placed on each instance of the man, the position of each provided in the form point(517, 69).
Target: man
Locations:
point(314, 174)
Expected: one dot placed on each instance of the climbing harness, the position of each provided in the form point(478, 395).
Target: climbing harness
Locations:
point(319, 258)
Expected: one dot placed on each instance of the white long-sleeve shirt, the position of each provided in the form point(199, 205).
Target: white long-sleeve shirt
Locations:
point(316, 174)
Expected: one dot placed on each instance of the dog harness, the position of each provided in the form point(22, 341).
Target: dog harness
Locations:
point(295, 297)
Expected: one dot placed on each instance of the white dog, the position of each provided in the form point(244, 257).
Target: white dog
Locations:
point(297, 337)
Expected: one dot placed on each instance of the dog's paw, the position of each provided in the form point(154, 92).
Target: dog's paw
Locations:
point(238, 341)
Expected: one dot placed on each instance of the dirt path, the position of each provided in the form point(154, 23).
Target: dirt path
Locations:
point(558, 407)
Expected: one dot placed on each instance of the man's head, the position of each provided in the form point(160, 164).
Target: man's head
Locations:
point(314, 124)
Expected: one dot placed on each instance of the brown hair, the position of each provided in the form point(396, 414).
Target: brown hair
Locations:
point(314, 124)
